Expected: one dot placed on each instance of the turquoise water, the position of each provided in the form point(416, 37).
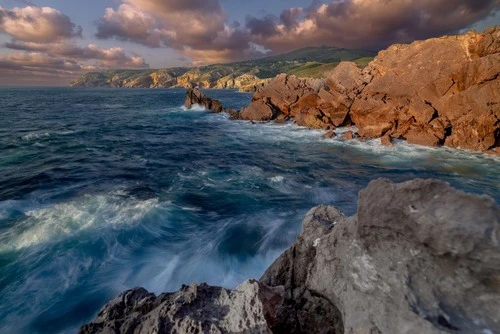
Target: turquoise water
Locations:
point(102, 190)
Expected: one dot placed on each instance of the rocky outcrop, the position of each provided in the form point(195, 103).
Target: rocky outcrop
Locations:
point(418, 257)
point(250, 308)
point(441, 91)
point(195, 97)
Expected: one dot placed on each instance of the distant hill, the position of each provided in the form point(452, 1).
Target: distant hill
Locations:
point(244, 75)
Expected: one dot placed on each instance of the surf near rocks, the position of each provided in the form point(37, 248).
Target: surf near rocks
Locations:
point(437, 92)
point(419, 256)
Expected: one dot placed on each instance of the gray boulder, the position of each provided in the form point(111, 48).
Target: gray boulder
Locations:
point(418, 257)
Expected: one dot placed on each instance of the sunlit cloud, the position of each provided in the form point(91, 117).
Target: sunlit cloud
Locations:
point(37, 24)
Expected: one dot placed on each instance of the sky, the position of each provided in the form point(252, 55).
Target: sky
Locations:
point(51, 42)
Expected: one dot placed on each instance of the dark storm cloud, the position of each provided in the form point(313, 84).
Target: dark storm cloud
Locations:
point(265, 26)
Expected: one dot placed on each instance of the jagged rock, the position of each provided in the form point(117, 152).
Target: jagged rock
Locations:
point(330, 134)
point(250, 308)
point(195, 96)
point(452, 78)
point(259, 110)
point(386, 140)
point(348, 135)
point(419, 257)
point(277, 96)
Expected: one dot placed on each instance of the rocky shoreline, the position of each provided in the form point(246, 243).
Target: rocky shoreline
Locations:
point(418, 257)
point(437, 92)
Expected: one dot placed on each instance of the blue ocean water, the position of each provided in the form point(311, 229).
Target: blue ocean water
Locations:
point(102, 190)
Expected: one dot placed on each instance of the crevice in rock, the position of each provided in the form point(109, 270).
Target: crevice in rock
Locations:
point(436, 113)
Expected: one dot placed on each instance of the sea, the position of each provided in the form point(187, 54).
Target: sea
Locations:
point(103, 190)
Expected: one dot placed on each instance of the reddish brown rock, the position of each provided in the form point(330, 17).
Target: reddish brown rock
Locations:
point(348, 135)
point(454, 79)
point(258, 110)
point(330, 134)
point(282, 92)
point(387, 140)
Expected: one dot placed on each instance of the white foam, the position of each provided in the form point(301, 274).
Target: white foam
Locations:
point(59, 221)
point(35, 135)
point(194, 107)
point(277, 179)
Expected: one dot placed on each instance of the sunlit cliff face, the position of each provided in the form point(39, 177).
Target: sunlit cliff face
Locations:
point(43, 43)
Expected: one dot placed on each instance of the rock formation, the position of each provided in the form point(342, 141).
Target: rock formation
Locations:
point(195, 96)
point(250, 308)
point(418, 257)
point(441, 91)
point(434, 92)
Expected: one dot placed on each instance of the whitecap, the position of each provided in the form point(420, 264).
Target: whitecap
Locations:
point(194, 107)
point(35, 135)
point(276, 179)
point(59, 221)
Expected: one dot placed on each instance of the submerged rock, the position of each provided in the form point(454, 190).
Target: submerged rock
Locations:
point(418, 257)
point(195, 96)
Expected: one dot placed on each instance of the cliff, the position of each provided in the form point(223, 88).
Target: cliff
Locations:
point(418, 257)
point(246, 76)
point(441, 91)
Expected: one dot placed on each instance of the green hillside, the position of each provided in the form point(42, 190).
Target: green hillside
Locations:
point(306, 62)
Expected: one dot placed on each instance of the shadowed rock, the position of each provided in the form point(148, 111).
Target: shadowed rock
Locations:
point(195, 97)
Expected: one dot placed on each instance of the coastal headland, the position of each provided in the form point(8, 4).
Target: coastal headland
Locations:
point(417, 257)
point(438, 92)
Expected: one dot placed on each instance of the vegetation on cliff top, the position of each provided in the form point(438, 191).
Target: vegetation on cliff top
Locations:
point(306, 62)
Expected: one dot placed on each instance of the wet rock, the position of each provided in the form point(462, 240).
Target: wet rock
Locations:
point(259, 110)
point(195, 96)
point(386, 140)
point(330, 134)
point(348, 135)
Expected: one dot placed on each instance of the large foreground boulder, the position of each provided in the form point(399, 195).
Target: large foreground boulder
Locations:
point(418, 257)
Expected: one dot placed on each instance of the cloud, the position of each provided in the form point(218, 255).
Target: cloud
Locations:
point(371, 24)
point(37, 24)
point(60, 62)
point(265, 26)
point(130, 24)
point(198, 29)
point(106, 57)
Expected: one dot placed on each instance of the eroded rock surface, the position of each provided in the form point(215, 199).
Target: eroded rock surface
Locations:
point(418, 257)
point(441, 91)
point(250, 308)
